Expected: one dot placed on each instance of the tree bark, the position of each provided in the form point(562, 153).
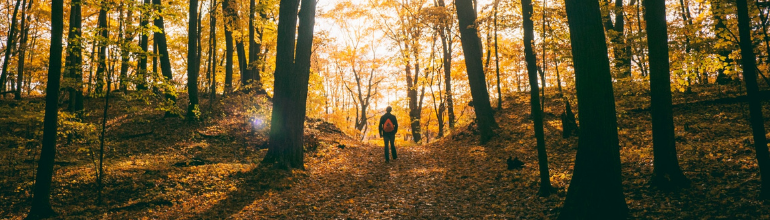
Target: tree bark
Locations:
point(472, 49)
point(755, 103)
point(667, 173)
point(9, 46)
point(285, 148)
point(596, 190)
point(74, 59)
point(192, 61)
point(41, 204)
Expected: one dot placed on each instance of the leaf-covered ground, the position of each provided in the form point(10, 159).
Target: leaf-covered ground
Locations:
point(160, 168)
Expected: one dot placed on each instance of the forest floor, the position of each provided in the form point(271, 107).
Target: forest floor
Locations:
point(168, 168)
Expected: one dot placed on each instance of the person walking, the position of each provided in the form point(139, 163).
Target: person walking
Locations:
point(388, 128)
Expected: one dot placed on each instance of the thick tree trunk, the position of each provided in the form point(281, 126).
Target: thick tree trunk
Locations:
point(287, 124)
point(472, 48)
point(227, 12)
point(192, 61)
point(41, 205)
point(596, 190)
point(74, 59)
point(103, 40)
point(667, 173)
point(141, 75)
point(9, 46)
point(537, 113)
point(755, 103)
point(163, 55)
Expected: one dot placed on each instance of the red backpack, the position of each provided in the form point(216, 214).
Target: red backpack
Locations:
point(388, 126)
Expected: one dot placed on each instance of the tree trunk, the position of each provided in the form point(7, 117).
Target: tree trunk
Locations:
point(22, 50)
point(446, 46)
point(287, 124)
point(472, 49)
point(41, 204)
point(192, 61)
point(103, 41)
point(537, 113)
point(254, 47)
point(74, 60)
point(227, 12)
point(213, 51)
point(596, 190)
point(124, 49)
point(497, 67)
point(755, 99)
point(143, 43)
point(667, 173)
point(616, 32)
point(411, 94)
point(163, 55)
point(9, 46)
point(243, 63)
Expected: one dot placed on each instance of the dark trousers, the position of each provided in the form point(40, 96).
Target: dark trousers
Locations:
point(389, 139)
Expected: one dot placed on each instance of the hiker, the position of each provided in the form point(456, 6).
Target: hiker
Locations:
point(388, 128)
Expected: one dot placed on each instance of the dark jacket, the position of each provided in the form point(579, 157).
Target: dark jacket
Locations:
point(392, 119)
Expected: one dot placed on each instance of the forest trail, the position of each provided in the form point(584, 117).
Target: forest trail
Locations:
point(160, 168)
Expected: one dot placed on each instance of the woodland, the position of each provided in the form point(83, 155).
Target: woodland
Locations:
point(269, 109)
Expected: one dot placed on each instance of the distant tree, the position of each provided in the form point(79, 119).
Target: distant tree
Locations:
point(22, 50)
point(446, 46)
point(144, 43)
point(292, 74)
point(192, 61)
point(616, 32)
point(537, 112)
point(755, 99)
point(254, 46)
point(165, 62)
point(74, 59)
point(724, 45)
point(472, 48)
point(596, 190)
point(212, 67)
point(102, 43)
point(9, 46)
point(41, 204)
point(126, 36)
point(228, 13)
point(667, 173)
